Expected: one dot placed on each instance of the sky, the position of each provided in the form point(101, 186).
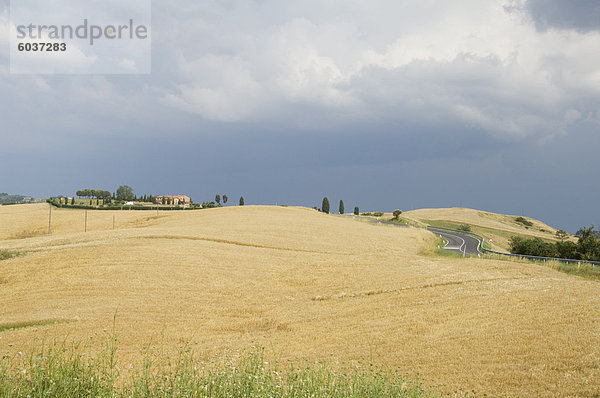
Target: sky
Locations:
point(398, 104)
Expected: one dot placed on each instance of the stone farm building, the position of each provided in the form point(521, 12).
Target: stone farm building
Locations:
point(177, 200)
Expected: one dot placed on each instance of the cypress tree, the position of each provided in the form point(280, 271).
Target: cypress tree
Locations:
point(356, 211)
point(241, 200)
point(341, 207)
point(325, 206)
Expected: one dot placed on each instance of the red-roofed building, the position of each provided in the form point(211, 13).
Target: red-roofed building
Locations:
point(177, 200)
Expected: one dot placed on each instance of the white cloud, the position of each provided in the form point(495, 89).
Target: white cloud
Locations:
point(467, 63)
point(479, 64)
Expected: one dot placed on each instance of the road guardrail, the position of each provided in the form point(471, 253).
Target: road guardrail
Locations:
point(484, 250)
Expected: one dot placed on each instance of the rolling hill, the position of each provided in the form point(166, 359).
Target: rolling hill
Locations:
point(302, 284)
point(498, 227)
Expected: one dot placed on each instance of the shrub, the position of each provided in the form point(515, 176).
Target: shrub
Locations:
point(531, 247)
point(524, 221)
point(464, 227)
point(356, 211)
point(378, 214)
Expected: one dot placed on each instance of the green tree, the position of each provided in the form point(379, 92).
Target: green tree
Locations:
point(396, 214)
point(241, 200)
point(325, 205)
point(225, 199)
point(218, 199)
point(562, 235)
point(341, 209)
point(356, 211)
point(72, 201)
point(125, 193)
point(588, 245)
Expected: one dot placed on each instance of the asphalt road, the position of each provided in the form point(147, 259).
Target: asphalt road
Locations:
point(463, 244)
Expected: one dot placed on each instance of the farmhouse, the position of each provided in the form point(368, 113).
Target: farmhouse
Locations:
point(177, 200)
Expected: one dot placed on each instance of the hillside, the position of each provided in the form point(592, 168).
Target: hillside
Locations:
point(498, 227)
point(6, 198)
point(302, 284)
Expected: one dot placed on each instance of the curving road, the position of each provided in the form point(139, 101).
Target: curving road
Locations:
point(464, 244)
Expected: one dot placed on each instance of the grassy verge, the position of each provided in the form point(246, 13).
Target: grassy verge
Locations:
point(441, 252)
point(400, 220)
point(65, 371)
point(587, 271)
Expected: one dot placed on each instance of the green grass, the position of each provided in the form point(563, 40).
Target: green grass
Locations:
point(588, 271)
point(400, 220)
point(66, 371)
point(7, 254)
point(22, 325)
point(440, 251)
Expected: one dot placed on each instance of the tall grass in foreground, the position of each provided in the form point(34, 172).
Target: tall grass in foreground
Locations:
point(59, 370)
point(587, 271)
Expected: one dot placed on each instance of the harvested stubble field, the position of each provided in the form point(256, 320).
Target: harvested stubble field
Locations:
point(302, 284)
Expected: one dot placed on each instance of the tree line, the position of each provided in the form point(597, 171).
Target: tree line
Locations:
point(94, 193)
point(325, 207)
point(587, 247)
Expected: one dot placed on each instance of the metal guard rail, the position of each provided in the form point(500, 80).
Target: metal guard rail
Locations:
point(481, 239)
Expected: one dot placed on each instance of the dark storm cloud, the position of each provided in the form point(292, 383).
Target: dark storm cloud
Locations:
point(384, 104)
point(579, 15)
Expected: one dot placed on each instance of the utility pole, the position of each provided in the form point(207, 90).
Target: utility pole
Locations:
point(49, 217)
point(85, 229)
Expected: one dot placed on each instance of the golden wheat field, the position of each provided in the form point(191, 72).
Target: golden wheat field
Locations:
point(303, 285)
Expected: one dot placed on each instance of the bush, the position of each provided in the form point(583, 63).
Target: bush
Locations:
point(356, 211)
point(378, 214)
point(524, 221)
point(465, 227)
point(531, 247)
